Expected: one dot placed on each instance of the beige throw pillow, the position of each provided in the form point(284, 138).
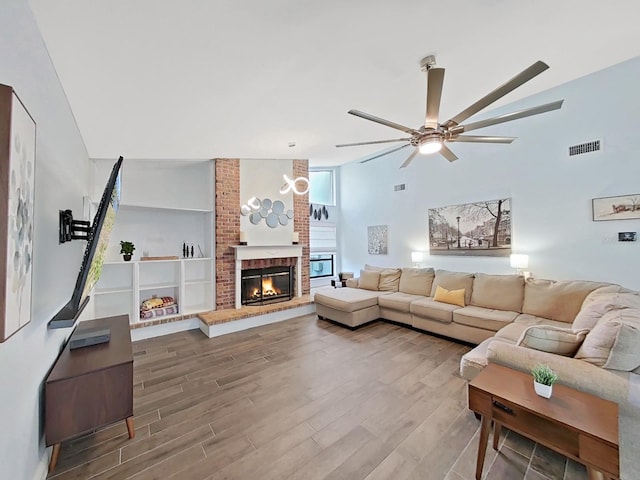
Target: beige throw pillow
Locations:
point(550, 339)
point(369, 280)
point(613, 342)
point(389, 280)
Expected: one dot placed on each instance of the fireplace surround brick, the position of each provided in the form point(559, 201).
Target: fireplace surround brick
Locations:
point(227, 229)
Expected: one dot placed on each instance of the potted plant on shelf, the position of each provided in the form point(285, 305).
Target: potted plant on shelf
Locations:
point(126, 248)
point(543, 380)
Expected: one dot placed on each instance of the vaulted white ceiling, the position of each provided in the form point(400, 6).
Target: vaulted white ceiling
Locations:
point(199, 79)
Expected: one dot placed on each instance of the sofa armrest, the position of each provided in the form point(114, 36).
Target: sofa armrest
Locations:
point(573, 373)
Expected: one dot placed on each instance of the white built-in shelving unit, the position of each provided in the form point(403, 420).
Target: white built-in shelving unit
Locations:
point(164, 204)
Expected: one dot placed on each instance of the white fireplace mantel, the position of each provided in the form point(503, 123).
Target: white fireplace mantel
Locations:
point(251, 252)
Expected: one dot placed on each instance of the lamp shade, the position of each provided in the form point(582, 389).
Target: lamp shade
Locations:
point(417, 257)
point(519, 260)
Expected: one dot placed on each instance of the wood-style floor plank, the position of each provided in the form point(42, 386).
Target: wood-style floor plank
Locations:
point(301, 399)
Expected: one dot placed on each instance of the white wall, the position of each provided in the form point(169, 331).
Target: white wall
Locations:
point(263, 179)
point(551, 193)
point(62, 178)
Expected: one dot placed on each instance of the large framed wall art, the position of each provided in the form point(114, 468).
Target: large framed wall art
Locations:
point(478, 228)
point(17, 183)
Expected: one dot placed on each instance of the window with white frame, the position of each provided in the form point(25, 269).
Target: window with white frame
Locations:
point(321, 187)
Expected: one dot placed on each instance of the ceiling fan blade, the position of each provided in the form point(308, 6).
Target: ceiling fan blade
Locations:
point(374, 142)
point(435, 78)
point(482, 139)
point(448, 154)
point(521, 78)
point(382, 121)
point(409, 158)
point(385, 153)
point(507, 117)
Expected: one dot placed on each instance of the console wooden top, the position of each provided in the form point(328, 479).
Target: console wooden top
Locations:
point(80, 361)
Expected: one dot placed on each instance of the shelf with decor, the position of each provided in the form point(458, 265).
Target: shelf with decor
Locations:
point(164, 206)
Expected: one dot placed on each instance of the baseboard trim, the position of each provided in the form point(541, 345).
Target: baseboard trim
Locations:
point(42, 469)
point(164, 329)
point(246, 323)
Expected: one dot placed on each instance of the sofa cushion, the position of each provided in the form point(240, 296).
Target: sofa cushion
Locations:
point(453, 297)
point(453, 281)
point(389, 280)
point(353, 282)
point(347, 299)
point(561, 341)
point(416, 281)
point(427, 307)
point(472, 362)
point(603, 300)
point(485, 318)
point(369, 280)
point(528, 320)
point(373, 268)
point(398, 301)
point(502, 292)
point(613, 342)
point(556, 300)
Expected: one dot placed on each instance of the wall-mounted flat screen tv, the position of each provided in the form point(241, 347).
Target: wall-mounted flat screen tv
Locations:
point(95, 252)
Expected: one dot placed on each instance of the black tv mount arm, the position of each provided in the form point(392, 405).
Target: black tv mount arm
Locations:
point(71, 229)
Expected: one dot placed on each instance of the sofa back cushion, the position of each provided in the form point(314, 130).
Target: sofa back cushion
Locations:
point(499, 292)
point(559, 301)
point(373, 268)
point(613, 342)
point(389, 280)
point(416, 281)
point(369, 280)
point(454, 281)
point(603, 300)
point(550, 339)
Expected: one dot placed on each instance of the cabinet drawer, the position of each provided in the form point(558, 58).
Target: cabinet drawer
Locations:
point(535, 427)
point(599, 454)
point(479, 402)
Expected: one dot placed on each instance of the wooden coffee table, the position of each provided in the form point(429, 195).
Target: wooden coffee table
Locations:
point(576, 424)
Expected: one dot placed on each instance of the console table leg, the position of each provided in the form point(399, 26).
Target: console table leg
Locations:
point(130, 428)
point(54, 457)
point(497, 428)
point(485, 427)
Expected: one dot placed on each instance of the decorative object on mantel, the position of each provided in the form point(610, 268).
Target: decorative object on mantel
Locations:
point(300, 185)
point(127, 249)
point(378, 240)
point(17, 156)
point(622, 207)
point(243, 237)
point(479, 229)
point(295, 238)
point(543, 380)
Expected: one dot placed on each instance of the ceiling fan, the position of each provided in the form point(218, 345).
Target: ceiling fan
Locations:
point(432, 136)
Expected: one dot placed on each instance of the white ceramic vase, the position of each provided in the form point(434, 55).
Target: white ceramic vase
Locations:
point(543, 390)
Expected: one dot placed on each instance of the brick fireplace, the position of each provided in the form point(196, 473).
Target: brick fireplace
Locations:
point(227, 234)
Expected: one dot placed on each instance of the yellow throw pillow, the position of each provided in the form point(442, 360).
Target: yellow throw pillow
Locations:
point(453, 297)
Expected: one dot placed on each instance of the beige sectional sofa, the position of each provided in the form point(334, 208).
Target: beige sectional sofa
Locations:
point(588, 332)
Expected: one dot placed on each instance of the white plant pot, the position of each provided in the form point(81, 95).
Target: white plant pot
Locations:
point(543, 390)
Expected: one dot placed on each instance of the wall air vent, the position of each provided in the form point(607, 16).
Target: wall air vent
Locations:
point(588, 147)
point(399, 187)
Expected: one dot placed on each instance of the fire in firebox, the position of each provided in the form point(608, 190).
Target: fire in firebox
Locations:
point(268, 289)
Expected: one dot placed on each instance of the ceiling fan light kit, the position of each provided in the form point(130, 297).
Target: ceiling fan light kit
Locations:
point(432, 136)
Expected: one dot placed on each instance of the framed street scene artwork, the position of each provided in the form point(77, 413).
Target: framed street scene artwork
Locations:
point(478, 228)
point(622, 207)
point(17, 181)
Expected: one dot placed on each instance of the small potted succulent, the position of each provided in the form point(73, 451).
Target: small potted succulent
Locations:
point(543, 380)
point(126, 248)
